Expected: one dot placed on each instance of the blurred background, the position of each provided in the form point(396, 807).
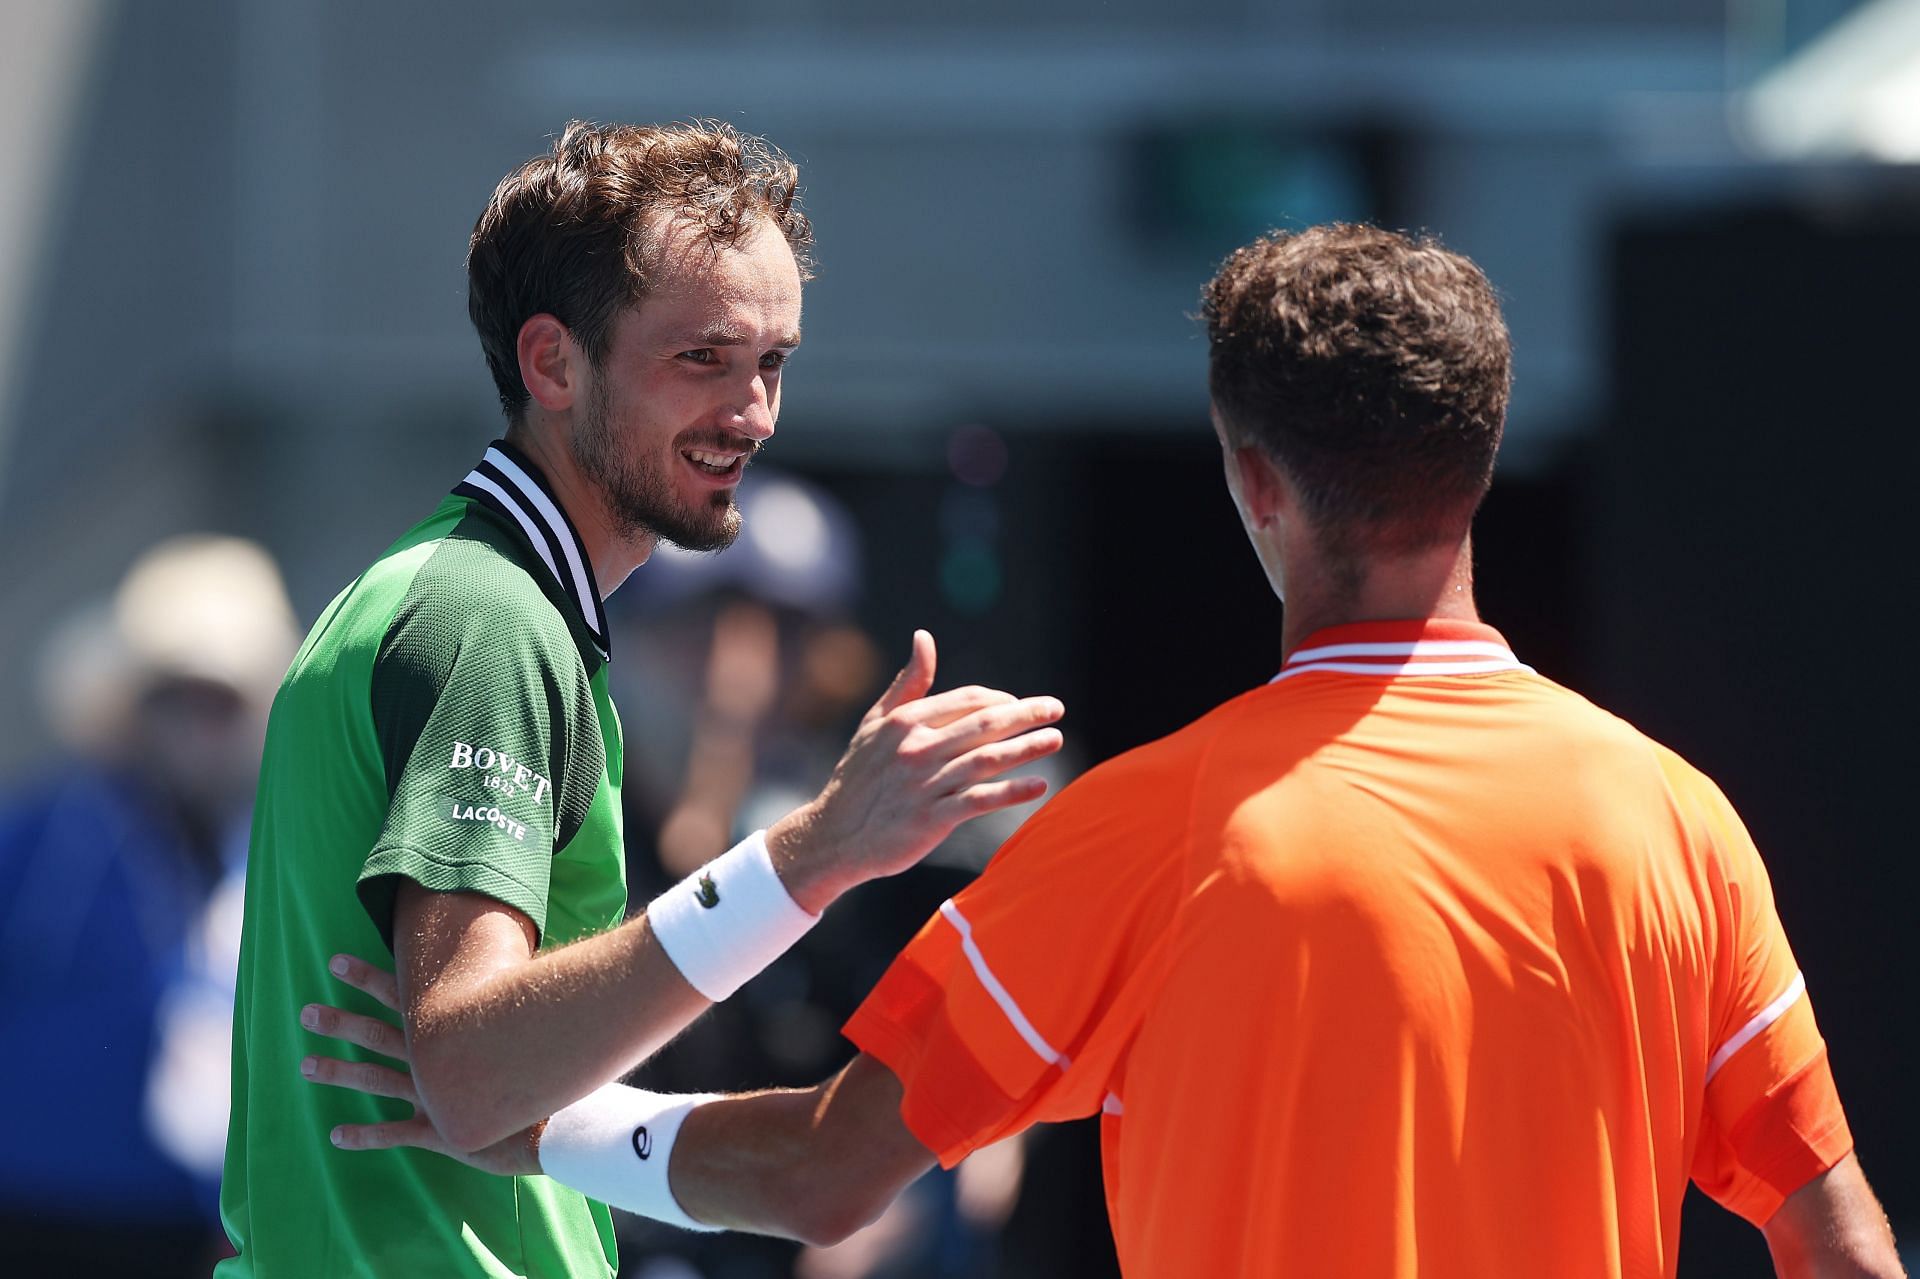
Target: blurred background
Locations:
point(235, 362)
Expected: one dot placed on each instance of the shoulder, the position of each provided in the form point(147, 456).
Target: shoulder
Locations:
point(467, 595)
point(1597, 730)
point(1259, 720)
point(1137, 801)
point(1702, 803)
point(1603, 744)
point(1165, 761)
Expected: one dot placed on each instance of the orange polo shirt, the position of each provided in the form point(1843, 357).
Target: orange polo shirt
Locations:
point(1410, 962)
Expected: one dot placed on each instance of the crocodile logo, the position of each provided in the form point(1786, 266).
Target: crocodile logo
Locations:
point(709, 894)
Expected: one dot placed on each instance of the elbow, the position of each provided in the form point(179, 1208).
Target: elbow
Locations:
point(467, 1129)
point(463, 1112)
point(825, 1229)
point(820, 1218)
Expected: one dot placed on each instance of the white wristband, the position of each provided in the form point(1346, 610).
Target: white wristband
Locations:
point(614, 1145)
point(728, 920)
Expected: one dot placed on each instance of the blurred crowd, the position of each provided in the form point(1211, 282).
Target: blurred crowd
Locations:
point(121, 870)
point(739, 677)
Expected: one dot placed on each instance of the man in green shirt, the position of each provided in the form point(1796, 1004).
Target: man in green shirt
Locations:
point(441, 777)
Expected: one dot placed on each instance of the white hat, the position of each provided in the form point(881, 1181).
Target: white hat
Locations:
point(193, 607)
point(209, 608)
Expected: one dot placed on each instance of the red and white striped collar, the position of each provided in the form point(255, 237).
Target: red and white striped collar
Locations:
point(1426, 647)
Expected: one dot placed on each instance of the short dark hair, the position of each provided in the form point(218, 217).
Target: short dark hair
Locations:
point(1373, 367)
point(567, 233)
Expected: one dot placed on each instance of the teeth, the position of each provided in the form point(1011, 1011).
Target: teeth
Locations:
point(717, 461)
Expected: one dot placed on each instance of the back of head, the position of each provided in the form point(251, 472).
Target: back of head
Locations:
point(572, 233)
point(1374, 368)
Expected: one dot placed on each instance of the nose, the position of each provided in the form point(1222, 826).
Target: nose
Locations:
point(753, 417)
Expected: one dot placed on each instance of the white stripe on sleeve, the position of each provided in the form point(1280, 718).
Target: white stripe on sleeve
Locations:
point(1761, 1020)
point(1046, 1051)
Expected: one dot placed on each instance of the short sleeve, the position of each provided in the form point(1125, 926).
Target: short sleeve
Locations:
point(474, 708)
point(1773, 1119)
point(1016, 1001)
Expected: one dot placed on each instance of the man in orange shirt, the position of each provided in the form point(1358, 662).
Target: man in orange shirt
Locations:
point(1409, 963)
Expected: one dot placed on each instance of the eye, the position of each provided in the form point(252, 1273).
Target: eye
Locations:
point(700, 355)
point(775, 359)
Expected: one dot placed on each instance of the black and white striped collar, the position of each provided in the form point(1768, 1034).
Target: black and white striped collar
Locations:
point(508, 483)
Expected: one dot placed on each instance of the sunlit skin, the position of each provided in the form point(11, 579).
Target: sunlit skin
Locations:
point(1321, 590)
point(695, 368)
point(817, 1163)
point(649, 445)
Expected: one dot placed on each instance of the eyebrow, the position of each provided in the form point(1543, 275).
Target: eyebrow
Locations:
point(726, 335)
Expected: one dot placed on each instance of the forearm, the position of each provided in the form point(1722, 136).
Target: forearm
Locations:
point(500, 1036)
point(496, 1053)
point(813, 1165)
point(756, 1163)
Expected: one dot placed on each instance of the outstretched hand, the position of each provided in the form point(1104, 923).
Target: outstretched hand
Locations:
point(918, 766)
point(513, 1156)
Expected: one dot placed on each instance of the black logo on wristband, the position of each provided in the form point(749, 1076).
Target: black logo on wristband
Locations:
point(709, 894)
point(642, 1141)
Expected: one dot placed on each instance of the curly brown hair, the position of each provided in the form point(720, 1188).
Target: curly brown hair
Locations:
point(568, 233)
point(1373, 367)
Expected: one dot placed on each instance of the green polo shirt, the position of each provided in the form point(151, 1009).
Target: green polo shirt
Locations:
point(446, 721)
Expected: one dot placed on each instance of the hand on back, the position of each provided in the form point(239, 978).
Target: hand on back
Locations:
point(514, 1156)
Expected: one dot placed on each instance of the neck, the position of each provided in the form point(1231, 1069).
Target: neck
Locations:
point(614, 555)
point(1425, 584)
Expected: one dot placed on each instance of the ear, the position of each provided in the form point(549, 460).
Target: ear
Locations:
point(1264, 491)
point(551, 363)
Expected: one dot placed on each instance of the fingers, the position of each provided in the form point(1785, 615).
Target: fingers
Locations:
point(368, 1032)
point(361, 1076)
point(914, 679)
point(942, 709)
point(988, 797)
point(416, 1131)
point(362, 976)
point(995, 758)
point(996, 721)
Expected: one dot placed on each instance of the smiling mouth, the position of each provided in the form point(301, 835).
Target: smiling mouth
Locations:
point(712, 463)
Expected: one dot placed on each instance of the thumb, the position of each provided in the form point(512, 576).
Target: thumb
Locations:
point(914, 679)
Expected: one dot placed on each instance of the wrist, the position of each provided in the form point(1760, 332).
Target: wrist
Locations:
point(616, 1144)
point(728, 920)
point(793, 847)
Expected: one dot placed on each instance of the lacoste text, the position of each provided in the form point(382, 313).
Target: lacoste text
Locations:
point(492, 816)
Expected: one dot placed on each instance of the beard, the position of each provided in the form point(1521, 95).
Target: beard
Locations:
point(639, 493)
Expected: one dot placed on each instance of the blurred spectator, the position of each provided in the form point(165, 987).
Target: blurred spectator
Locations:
point(120, 871)
point(749, 671)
